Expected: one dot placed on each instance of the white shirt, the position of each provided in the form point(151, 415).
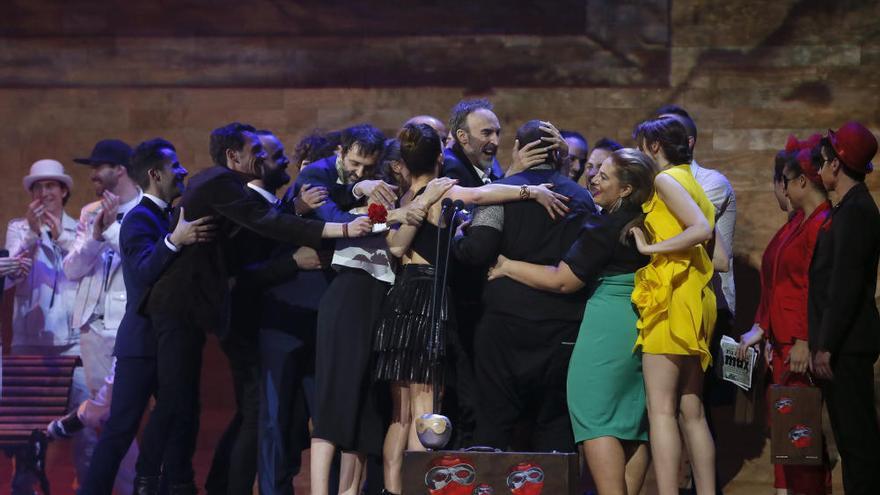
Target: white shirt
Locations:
point(162, 204)
point(44, 298)
point(126, 207)
point(269, 197)
point(482, 174)
point(94, 264)
point(721, 194)
point(369, 254)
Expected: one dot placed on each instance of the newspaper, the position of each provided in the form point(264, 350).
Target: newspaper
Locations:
point(734, 370)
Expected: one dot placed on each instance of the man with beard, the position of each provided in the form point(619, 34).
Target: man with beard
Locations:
point(255, 270)
point(146, 250)
point(343, 174)
point(191, 297)
point(524, 339)
point(477, 132)
point(93, 262)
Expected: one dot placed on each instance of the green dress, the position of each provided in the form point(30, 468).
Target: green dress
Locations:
point(606, 391)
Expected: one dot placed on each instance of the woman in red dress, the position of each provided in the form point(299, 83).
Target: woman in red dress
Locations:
point(781, 318)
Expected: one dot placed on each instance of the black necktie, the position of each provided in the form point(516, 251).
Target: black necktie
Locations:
point(169, 211)
point(119, 217)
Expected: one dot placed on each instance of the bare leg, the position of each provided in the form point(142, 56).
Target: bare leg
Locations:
point(638, 460)
point(396, 438)
point(661, 388)
point(696, 433)
point(607, 461)
point(351, 469)
point(321, 457)
point(421, 399)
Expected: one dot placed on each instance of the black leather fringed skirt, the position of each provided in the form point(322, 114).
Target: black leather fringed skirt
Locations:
point(406, 346)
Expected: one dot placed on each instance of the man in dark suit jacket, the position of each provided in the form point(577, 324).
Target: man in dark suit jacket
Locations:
point(147, 250)
point(471, 160)
point(476, 131)
point(844, 323)
point(257, 264)
point(191, 297)
point(524, 338)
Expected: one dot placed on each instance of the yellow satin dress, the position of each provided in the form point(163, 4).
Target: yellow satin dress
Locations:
point(673, 293)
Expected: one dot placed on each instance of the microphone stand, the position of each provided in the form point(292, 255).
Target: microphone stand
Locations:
point(457, 206)
point(440, 285)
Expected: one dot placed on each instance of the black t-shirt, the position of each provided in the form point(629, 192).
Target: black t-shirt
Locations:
point(598, 250)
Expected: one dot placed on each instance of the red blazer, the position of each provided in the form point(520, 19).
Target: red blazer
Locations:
point(785, 282)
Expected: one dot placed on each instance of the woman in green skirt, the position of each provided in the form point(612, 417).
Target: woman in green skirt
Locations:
point(606, 392)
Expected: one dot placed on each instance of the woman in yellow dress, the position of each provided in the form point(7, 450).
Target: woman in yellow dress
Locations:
point(676, 304)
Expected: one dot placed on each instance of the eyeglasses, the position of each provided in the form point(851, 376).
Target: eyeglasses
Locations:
point(786, 180)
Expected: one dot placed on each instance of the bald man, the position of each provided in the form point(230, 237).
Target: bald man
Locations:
point(432, 122)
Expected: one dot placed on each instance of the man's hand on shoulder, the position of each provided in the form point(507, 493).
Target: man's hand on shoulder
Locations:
point(376, 191)
point(186, 233)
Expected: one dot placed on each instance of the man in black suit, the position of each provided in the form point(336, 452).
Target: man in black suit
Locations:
point(477, 132)
point(844, 324)
point(147, 249)
point(524, 339)
point(289, 284)
point(192, 296)
point(258, 263)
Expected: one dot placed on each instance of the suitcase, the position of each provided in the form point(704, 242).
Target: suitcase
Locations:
point(447, 472)
point(795, 425)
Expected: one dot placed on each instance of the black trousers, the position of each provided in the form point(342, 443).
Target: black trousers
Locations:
point(234, 467)
point(849, 397)
point(175, 418)
point(461, 396)
point(521, 369)
point(134, 383)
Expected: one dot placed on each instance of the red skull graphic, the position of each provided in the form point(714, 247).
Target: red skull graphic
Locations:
point(784, 405)
point(450, 475)
point(525, 479)
point(801, 436)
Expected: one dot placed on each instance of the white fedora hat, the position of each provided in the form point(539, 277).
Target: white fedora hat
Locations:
point(47, 170)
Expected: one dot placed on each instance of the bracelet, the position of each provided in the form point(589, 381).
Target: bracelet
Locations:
point(524, 192)
point(345, 230)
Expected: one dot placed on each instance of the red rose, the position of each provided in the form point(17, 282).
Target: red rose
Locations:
point(377, 213)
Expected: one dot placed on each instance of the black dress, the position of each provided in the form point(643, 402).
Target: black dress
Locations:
point(346, 405)
point(412, 333)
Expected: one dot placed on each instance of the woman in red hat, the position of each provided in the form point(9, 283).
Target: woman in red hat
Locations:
point(782, 314)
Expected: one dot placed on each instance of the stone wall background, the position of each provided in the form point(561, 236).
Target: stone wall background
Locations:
point(751, 72)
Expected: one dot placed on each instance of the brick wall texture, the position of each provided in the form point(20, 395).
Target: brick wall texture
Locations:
point(751, 72)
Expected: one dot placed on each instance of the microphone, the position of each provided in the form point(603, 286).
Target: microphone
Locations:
point(458, 204)
point(444, 206)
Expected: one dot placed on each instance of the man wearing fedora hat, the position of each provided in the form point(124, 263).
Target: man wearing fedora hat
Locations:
point(44, 296)
point(844, 325)
point(94, 263)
